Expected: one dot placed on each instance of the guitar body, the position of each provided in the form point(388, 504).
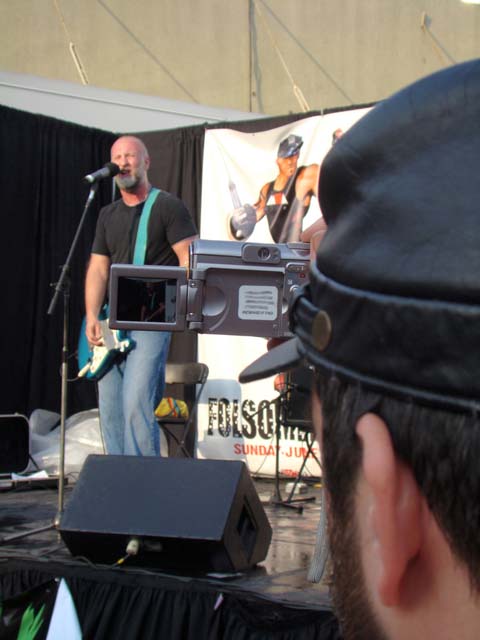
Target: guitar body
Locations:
point(94, 362)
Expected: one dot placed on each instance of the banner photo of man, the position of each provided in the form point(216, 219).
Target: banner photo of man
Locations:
point(284, 200)
point(258, 188)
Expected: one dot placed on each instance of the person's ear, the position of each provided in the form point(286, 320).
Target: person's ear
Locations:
point(392, 518)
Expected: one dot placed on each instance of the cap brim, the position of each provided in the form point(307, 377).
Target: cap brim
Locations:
point(284, 357)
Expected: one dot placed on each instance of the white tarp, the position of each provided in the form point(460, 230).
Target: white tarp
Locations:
point(106, 108)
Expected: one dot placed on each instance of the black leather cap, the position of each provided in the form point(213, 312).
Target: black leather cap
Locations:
point(289, 146)
point(393, 300)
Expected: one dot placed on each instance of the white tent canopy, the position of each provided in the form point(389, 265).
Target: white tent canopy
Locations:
point(115, 111)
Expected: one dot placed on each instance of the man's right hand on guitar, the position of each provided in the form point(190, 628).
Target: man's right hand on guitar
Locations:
point(93, 331)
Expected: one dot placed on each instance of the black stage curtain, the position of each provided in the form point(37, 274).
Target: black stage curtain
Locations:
point(43, 199)
point(112, 605)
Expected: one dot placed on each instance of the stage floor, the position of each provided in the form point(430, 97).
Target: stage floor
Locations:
point(281, 578)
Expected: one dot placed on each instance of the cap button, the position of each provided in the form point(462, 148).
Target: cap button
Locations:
point(321, 330)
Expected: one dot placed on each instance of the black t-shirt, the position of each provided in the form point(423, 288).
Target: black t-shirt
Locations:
point(117, 226)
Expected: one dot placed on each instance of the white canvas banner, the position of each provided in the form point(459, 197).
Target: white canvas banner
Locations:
point(245, 198)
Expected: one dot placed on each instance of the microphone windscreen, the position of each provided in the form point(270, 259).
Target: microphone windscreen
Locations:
point(112, 168)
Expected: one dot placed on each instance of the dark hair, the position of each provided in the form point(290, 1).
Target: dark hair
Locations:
point(441, 447)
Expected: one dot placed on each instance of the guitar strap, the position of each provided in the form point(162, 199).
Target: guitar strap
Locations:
point(140, 251)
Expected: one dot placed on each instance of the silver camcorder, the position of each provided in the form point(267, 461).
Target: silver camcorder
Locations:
point(231, 288)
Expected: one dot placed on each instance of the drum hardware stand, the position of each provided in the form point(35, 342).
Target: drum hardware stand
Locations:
point(276, 499)
point(302, 467)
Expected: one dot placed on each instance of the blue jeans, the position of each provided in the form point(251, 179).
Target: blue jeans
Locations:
point(129, 394)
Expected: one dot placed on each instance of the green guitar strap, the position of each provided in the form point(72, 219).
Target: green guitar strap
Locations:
point(141, 239)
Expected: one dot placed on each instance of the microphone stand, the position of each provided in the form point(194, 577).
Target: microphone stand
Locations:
point(63, 287)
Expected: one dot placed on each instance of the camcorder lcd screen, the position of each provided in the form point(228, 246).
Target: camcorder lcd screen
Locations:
point(143, 299)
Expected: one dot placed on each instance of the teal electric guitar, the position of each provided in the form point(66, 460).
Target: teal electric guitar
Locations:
point(94, 362)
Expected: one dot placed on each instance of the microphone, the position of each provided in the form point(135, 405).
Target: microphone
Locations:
point(107, 171)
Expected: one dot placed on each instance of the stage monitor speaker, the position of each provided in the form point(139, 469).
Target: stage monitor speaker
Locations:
point(14, 443)
point(187, 514)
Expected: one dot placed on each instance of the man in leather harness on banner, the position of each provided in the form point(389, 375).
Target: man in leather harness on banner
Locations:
point(285, 200)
